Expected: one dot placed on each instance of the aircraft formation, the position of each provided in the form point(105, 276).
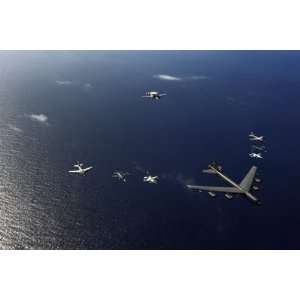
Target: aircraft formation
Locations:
point(120, 175)
point(244, 188)
point(257, 145)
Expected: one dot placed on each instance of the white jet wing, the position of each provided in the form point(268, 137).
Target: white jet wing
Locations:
point(222, 189)
point(87, 169)
point(160, 95)
point(74, 171)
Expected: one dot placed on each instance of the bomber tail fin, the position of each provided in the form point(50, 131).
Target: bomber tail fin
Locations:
point(248, 179)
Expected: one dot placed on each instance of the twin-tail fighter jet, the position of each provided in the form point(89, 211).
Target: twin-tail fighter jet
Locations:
point(151, 179)
point(255, 155)
point(242, 188)
point(255, 138)
point(80, 170)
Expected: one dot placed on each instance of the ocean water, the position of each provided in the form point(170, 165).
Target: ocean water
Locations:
point(58, 107)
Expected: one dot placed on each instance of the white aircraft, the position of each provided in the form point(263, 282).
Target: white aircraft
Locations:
point(256, 138)
point(255, 155)
point(153, 95)
point(150, 179)
point(80, 170)
point(120, 175)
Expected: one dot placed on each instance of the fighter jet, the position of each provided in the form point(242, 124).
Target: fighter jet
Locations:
point(151, 179)
point(153, 95)
point(255, 155)
point(255, 138)
point(259, 148)
point(120, 175)
point(80, 170)
point(243, 188)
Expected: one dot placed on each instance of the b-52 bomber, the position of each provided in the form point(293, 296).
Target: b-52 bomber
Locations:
point(243, 188)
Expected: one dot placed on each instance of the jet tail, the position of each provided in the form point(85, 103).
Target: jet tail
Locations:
point(248, 179)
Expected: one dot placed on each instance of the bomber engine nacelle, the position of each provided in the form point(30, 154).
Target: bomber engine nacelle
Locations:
point(212, 194)
point(228, 196)
point(209, 171)
point(216, 166)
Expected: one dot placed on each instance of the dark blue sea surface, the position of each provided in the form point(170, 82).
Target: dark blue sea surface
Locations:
point(58, 107)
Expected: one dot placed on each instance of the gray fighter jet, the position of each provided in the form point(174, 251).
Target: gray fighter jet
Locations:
point(259, 148)
point(242, 188)
point(120, 175)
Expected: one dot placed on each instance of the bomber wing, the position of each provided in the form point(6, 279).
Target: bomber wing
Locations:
point(222, 189)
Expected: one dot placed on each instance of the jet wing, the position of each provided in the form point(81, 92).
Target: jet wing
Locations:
point(222, 189)
point(74, 171)
point(87, 169)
